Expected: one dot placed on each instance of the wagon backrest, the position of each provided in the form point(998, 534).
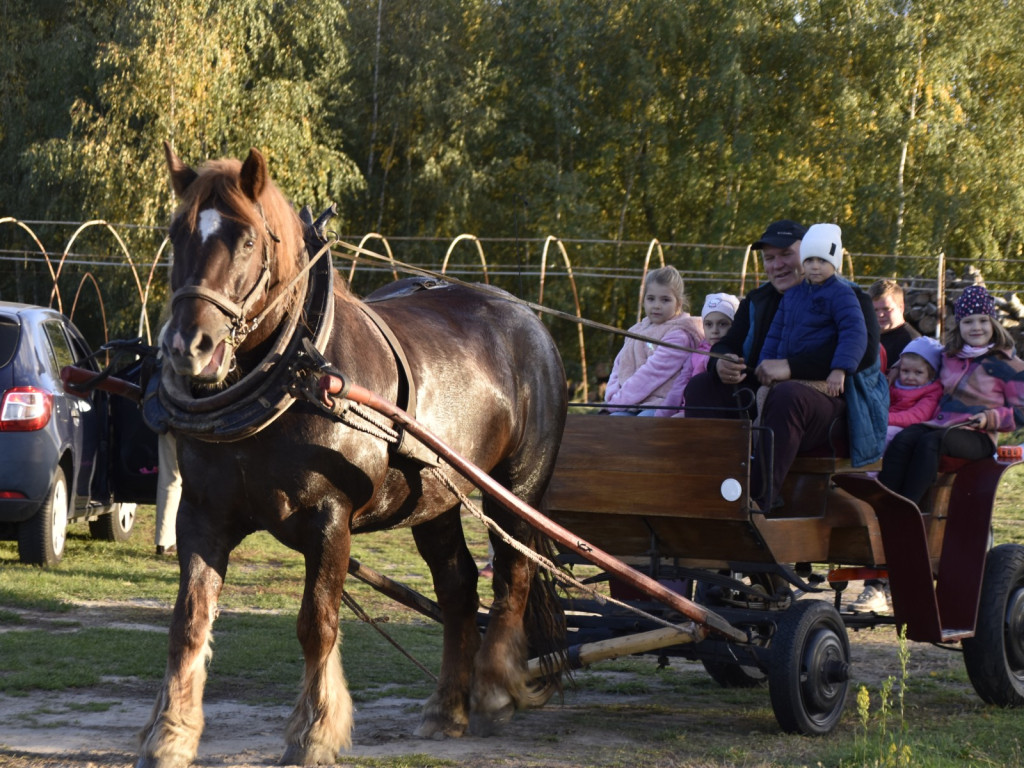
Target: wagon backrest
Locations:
point(615, 473)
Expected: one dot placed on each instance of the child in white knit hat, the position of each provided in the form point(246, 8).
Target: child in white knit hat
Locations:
point(819, 316)
point(716, 316)
point(822, 312)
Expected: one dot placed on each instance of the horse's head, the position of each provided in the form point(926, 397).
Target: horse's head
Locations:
point(237, 243)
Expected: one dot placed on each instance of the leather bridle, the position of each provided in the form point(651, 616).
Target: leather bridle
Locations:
point(238, 312)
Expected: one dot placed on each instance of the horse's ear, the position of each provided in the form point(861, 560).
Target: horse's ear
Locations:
point(181, 175)
point(253, 178)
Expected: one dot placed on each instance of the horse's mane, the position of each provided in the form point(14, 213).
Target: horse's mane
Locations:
point(219, 180)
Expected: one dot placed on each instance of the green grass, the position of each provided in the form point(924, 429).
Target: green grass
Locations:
point(263, 574)
point(1008, 510)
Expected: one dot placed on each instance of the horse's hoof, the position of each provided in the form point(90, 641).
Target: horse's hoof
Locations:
point(432, 728)
point(149, 761)
point(490, 723)
point(314, 754)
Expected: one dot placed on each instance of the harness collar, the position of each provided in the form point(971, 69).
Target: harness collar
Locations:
point(261, 395)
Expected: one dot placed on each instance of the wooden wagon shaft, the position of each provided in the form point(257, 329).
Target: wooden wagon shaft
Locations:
point(330, 385)
point(601, 650)
point(398, 592)
point(81, 381)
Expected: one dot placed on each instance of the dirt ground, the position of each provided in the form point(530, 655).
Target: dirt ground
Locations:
point(595, 725)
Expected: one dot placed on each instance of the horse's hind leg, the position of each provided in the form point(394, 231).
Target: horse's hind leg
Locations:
point(442, 545)
point(525, 613)
point(171, 737)
point(321, 723)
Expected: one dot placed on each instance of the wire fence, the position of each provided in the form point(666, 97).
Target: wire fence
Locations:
point(113, 279)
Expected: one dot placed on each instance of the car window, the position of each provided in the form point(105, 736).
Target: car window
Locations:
point(80, 350)
point(8, 340)
point(59, 343)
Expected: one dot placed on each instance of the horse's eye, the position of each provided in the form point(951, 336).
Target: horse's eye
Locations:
point(249, 244)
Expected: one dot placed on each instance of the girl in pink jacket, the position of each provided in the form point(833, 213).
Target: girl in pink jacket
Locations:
point(983, 393)
point(644, 372)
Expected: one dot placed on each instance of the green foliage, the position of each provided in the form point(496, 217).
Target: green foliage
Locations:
point(889, 748)
point(690, 122)
point(214, 78)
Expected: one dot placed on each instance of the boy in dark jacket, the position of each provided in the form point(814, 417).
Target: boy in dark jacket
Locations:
point(821, 312)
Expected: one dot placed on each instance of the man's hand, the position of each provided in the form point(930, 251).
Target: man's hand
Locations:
point(835, 382)
point(771, 371)
point(731, 368)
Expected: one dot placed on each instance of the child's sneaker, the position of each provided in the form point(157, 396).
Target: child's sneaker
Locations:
point(871, 600)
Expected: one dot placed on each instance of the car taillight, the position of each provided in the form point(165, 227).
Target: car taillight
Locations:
point(25, 409)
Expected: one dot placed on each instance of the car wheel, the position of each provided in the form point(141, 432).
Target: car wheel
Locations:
point(41, 538)
point(117, 525)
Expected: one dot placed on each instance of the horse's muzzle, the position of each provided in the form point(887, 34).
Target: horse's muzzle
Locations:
point(202, 361)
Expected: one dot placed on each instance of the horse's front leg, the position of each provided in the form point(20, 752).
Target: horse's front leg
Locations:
point(321, 724)
point(442, 545)
point(171, 737)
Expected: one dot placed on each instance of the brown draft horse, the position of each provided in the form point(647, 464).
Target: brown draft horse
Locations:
point(489, 381)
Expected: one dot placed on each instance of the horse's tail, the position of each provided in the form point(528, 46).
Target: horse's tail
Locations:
point(544, 623)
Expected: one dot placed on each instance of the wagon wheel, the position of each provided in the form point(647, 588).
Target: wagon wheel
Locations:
point(809, 671)
point(994, 657)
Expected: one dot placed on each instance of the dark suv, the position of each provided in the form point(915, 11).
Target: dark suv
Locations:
point(57, 450)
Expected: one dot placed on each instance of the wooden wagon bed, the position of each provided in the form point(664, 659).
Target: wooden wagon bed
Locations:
point(679, 489)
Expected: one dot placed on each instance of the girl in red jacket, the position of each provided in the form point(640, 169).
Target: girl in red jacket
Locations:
point(915, 393)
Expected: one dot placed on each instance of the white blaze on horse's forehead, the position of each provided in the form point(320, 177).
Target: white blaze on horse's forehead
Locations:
point(209, 223)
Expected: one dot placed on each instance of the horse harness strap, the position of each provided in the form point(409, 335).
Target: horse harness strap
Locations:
point(263, 394)
point(406, 398)
point(238, 313)
point(406, 444)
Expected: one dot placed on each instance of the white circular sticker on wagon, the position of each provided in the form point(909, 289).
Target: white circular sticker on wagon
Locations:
point(731, 489)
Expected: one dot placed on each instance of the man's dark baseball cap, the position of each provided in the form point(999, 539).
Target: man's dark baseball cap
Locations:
point(780, 234)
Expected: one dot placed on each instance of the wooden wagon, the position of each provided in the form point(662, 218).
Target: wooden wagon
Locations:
point(671, 498)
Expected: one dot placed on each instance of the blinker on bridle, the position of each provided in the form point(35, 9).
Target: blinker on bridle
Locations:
point(240, 325)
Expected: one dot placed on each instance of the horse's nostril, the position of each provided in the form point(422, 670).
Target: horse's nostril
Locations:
point(202, 344)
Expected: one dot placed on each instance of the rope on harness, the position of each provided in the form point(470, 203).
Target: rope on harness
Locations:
point(363, 616)
point(342, 410)
point(310, 387)
point(558, 574)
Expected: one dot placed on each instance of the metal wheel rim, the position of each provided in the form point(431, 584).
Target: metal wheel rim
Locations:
point(126, 516)
point(59, 518)
point(821, 693)
point(1014, 632)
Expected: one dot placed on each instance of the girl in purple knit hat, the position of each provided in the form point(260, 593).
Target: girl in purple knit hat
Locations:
point(983, 393)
